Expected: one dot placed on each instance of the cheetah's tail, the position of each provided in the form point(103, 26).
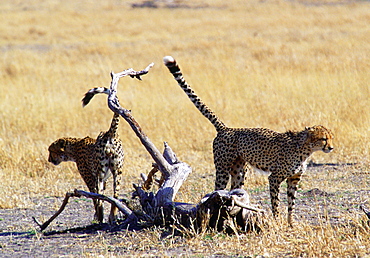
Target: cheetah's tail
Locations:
point(174, 69)
point(91, 93)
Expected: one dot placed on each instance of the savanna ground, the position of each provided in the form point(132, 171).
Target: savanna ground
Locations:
point(277, 64)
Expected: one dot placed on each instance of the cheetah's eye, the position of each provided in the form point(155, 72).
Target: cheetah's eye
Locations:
point(323, 139)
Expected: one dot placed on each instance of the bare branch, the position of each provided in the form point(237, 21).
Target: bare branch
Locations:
point(122, 207)
point(131, 217)
point(65, 201)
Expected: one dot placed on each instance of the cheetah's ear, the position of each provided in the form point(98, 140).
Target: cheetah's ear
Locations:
point(62, 144)
point(309, 131)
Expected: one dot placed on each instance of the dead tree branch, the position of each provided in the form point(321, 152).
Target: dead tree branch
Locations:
point(46, 224)
point(130, 216)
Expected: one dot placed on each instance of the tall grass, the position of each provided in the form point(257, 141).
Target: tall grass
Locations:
point(277, 64)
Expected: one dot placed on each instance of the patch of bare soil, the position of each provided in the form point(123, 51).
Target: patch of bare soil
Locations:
point(320, 206)
point(19, 238)
point(72, 234)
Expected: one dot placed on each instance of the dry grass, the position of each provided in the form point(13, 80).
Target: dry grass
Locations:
point(277, 64)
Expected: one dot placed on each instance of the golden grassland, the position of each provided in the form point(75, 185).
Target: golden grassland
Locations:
point(277, 64)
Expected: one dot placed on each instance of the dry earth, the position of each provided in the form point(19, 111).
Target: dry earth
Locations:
point(72, 233)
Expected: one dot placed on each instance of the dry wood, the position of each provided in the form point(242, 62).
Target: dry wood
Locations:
point(46, 224)
point(130, 216)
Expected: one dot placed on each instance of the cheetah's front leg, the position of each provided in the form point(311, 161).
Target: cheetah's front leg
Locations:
point(99, 212)
point(99, 209)
point(274, 182)
point(291, 190)
point(116, 185)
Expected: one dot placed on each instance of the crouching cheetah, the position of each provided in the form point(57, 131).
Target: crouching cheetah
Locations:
point(237, 150)
point(96, 160)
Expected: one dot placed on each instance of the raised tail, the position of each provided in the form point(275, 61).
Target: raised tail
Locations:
point(171, 64)
point(91, 93)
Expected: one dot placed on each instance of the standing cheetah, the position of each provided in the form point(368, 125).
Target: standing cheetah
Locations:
point(96, 160)
point(237, 150)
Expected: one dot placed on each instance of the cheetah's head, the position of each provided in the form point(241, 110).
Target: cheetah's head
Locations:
point(58, 151)
point(320, 138)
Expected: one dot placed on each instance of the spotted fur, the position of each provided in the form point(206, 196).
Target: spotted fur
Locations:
point(237, 150)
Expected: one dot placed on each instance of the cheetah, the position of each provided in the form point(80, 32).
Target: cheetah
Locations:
point(238, 150)
point(96, 160)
